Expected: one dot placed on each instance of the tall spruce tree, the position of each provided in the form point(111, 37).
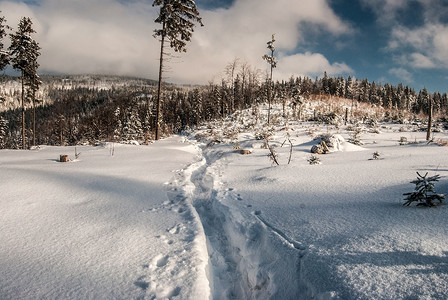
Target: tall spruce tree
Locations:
point(4, 57)
point(178, 18)
point(33, 83)
point(24, 52)
point(3, 132)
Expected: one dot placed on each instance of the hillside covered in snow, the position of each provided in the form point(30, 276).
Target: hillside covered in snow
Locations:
point(210, 215)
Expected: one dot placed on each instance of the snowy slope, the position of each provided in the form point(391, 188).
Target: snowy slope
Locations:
point(101, 227)
point(195, 219)
point(337, 230)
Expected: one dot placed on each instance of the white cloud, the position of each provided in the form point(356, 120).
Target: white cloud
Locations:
point(112, 36)
point(310, 64)
point(243, 30)
point(401, 74)
point(422, 47)
point(427, 45)
point(385, 9)
point(419, 60)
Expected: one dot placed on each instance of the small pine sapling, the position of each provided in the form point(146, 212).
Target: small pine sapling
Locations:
point(314, 160)
point(403, 140)
point(355, 137)
point(376, 155)
point(424, 192)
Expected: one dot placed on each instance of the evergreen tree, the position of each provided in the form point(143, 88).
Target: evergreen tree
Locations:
point(424, 192)
point(4, 57)
point(118, 126)
point(33, 83)
point(422, 101)
point(132, 127)
point(3, 132)
point(24, 52)
point(349, 88)
point(177, 18)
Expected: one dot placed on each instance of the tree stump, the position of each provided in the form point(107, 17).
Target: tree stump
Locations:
point(63, 158)
point(244, 151)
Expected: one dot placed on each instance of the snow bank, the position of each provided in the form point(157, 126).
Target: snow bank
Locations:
point(103, 227)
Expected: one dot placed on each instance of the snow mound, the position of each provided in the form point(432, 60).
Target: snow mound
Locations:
point(332, 143)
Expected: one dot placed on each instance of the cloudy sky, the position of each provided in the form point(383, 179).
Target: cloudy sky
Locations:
point(383, 40)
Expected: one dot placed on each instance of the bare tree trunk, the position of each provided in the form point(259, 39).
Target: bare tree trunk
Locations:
point(159, 90)
point(346, 115)
point(34, 112)
point(428, 132)
point(23, 113)
point(34, 123)
point(269, 94)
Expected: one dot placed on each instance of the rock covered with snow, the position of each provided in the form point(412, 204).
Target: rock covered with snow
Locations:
point(332, 143)
point(328, 143)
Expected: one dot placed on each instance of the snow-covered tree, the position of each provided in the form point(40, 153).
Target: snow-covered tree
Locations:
point(424, 192)
point(314, 160)
point(349, 88)
point(118, 126)
point(132, 126)
point(3, 132)
point(178, 18)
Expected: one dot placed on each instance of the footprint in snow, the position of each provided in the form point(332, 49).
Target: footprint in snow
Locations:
point(162, 261)
point(175, 230)
point(165, 239)
point(175, 292)
point(144, 285)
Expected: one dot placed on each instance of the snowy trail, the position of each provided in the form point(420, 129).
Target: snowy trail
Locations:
point(331, 231)
point(249, 258)
point(101, 227)
point(183, 220)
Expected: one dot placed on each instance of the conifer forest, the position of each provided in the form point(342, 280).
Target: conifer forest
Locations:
point(90, 109)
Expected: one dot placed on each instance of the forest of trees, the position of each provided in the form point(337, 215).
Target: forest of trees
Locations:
point(88, 115)
point(67, 114)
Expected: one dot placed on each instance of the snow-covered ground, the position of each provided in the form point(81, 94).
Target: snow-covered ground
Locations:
point(101, 227)
point(192, 218)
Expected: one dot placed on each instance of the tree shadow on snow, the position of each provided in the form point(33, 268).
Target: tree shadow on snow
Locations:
point(417, 263)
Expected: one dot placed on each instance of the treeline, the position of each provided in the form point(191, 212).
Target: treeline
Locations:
point(388, 96)
point(85, 115)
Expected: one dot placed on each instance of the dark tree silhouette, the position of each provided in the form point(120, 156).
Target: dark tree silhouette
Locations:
point(23, 54)
point(178, 18)
point(4, 57)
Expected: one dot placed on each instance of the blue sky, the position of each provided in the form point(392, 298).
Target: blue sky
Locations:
point(383, 40)
point(375, 46)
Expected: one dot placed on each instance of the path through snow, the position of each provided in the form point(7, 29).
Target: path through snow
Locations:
point(249, 258)
point(101, 227)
